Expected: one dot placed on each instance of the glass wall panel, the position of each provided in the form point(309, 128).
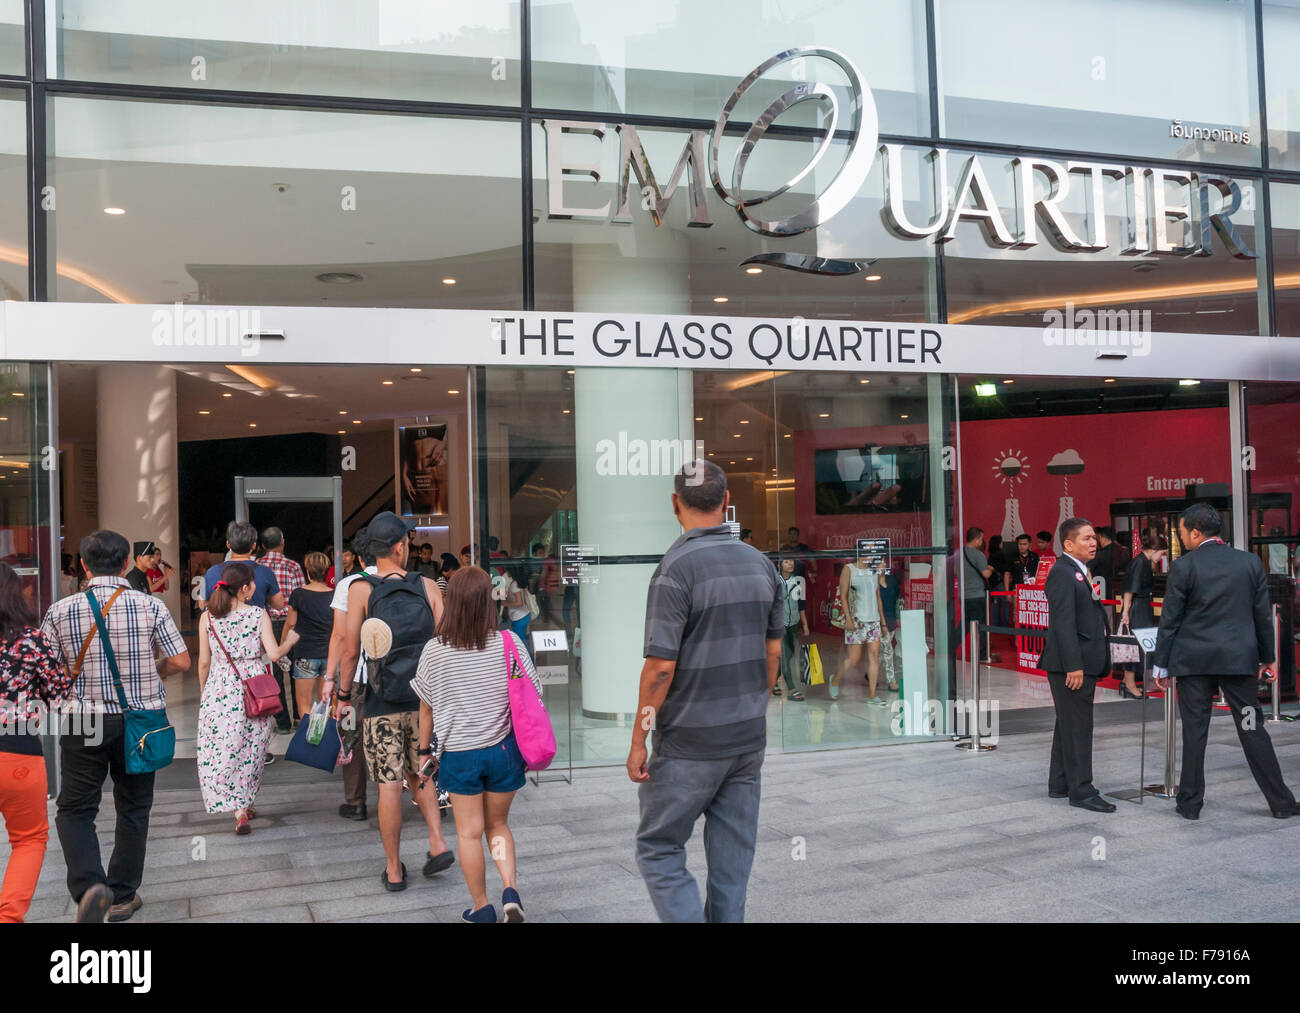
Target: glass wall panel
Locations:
point(1282, 82)
point(685, 59)
point(1284, 205)
point(223, 204)
point(1273, 433)
point(25, 538)
point(1169, 79)
point(13, 38)
point(861, 457)
point(991, 281)
point(13, 194)
point(428, 50)
point(675, 267)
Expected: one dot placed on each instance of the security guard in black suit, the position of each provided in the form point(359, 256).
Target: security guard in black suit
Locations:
point(1075, 655)
point(1216, 632)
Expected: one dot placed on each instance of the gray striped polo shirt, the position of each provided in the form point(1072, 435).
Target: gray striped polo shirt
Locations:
point(713, 604)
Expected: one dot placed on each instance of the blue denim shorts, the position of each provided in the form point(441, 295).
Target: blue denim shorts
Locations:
point(498, 768)
point(309, 668)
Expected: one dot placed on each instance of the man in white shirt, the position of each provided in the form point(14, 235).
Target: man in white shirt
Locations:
point(350, 711)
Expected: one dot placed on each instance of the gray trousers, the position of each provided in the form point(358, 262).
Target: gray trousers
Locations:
point(726, 792)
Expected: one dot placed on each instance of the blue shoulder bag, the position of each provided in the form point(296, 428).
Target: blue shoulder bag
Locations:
point(150, 741)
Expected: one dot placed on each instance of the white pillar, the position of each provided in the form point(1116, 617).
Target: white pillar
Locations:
point(136, 451)
point(626, 514)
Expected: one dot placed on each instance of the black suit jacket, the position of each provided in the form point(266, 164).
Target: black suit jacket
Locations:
point(1215, 619)
point(1076, 624)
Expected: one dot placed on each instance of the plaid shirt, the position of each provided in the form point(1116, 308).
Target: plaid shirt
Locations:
point(138, 625)
point(288, 575)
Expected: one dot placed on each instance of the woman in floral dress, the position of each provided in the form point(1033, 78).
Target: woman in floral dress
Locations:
point(232, 746)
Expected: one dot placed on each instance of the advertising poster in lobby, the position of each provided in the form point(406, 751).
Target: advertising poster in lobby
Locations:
point(422, 465)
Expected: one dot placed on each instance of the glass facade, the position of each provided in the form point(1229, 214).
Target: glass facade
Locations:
point(560, 157)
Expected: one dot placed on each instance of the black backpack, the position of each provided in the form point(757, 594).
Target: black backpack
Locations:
point(401, 603)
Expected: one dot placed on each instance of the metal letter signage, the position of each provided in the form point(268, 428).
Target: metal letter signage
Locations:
point(1205, 205)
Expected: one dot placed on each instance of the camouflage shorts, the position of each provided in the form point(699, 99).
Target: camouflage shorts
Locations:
point(392, 747)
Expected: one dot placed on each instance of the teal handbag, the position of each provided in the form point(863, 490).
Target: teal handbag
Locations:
point(150, 740)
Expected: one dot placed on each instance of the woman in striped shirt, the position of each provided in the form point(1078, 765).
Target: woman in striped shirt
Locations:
point(465, 718)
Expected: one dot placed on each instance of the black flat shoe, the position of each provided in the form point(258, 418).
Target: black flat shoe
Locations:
point(1187, 814)
point(1285, 814)
point(1095, 804)
point(1057, 794)
point(397, 887)
point(435, 864)
point(353, 812)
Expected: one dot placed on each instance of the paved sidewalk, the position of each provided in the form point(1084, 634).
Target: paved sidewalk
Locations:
point(909, 833)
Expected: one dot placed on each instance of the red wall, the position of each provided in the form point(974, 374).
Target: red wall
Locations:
point(1120, 454)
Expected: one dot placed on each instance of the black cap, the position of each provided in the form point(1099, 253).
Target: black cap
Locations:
point(385, 530)
point(143, 549)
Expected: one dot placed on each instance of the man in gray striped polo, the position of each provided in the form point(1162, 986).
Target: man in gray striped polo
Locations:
point(713, 627)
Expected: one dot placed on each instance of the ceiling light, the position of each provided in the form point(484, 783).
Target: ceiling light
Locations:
point(902, 416)
point(753, 270)
point(4, 418)
point(1008, 381)
point(699, 418)
point(720, 298)
point(114, 211)
point(824, 415)
point(872, 277)
point(449, 281)
point(986, 390)
point(252, 425)
point(204, 411)
point(864, 381)
point(733, 462)
point(1109, 379)
point(338, 277)
point(356, 422)
point(1189, 383)
point(744, 422)
point(566, 411)
point(417, 369)
point(227, 394)
point(569, 371)
point(787, 436)
point(736, 435)
point(342, 432)
point(343, 411)
point(19, 393)
point(453, 392)
point(386, 383)
point(749, 459)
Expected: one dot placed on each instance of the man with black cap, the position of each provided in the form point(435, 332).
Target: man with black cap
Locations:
point(393, 614)
point(138, 575)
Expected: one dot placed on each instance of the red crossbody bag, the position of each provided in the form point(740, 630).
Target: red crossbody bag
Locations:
point(261, 691)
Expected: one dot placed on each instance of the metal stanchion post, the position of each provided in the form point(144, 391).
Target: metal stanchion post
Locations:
point(986, 653)
point(1169, 788)
point(973, 663)
point(1276, 686)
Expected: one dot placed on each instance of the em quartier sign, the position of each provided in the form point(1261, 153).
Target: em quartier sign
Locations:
point(1208, 202)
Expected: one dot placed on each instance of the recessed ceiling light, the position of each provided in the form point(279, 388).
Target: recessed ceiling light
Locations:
point(720, 298)
point(744, 422)
point(19, 393)
point(356, 422)
point(872, 277)
point(449, 281)
point(903, 416)
point(824, 415)
point(569, 371)
point(453, 392)
point(733, 462)
point(386, 383)
point(4, 418)
point(753, 270)
point(736, 435)
point(864, 381)
point(114, 211)
point(566, 411)
point(787, 436)
point(227, 394)
point(1008, 381)
point(252, 425)
point(343, 411)
point(338, 277)
point(342, 432)
point(204, 411)
point(749, 459)
point(710, 453)
point(699, 418)
point(1189, 383)
point(417, 369)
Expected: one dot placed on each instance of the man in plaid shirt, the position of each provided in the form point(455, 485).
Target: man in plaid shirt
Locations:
point(147, 647)
point(288, 575)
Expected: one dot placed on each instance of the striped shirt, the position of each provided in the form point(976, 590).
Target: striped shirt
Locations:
point(713, 604)
point(139, 626)
point(467, 691)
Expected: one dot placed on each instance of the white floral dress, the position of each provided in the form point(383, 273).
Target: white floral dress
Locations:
point(232, 746)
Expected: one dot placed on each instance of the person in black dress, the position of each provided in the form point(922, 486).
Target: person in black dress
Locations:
point(1139, 583)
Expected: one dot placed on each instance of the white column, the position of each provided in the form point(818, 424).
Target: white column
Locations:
point(626, 514)
point(136, 451)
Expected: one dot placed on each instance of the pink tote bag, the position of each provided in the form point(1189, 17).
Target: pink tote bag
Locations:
point(533, 732)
